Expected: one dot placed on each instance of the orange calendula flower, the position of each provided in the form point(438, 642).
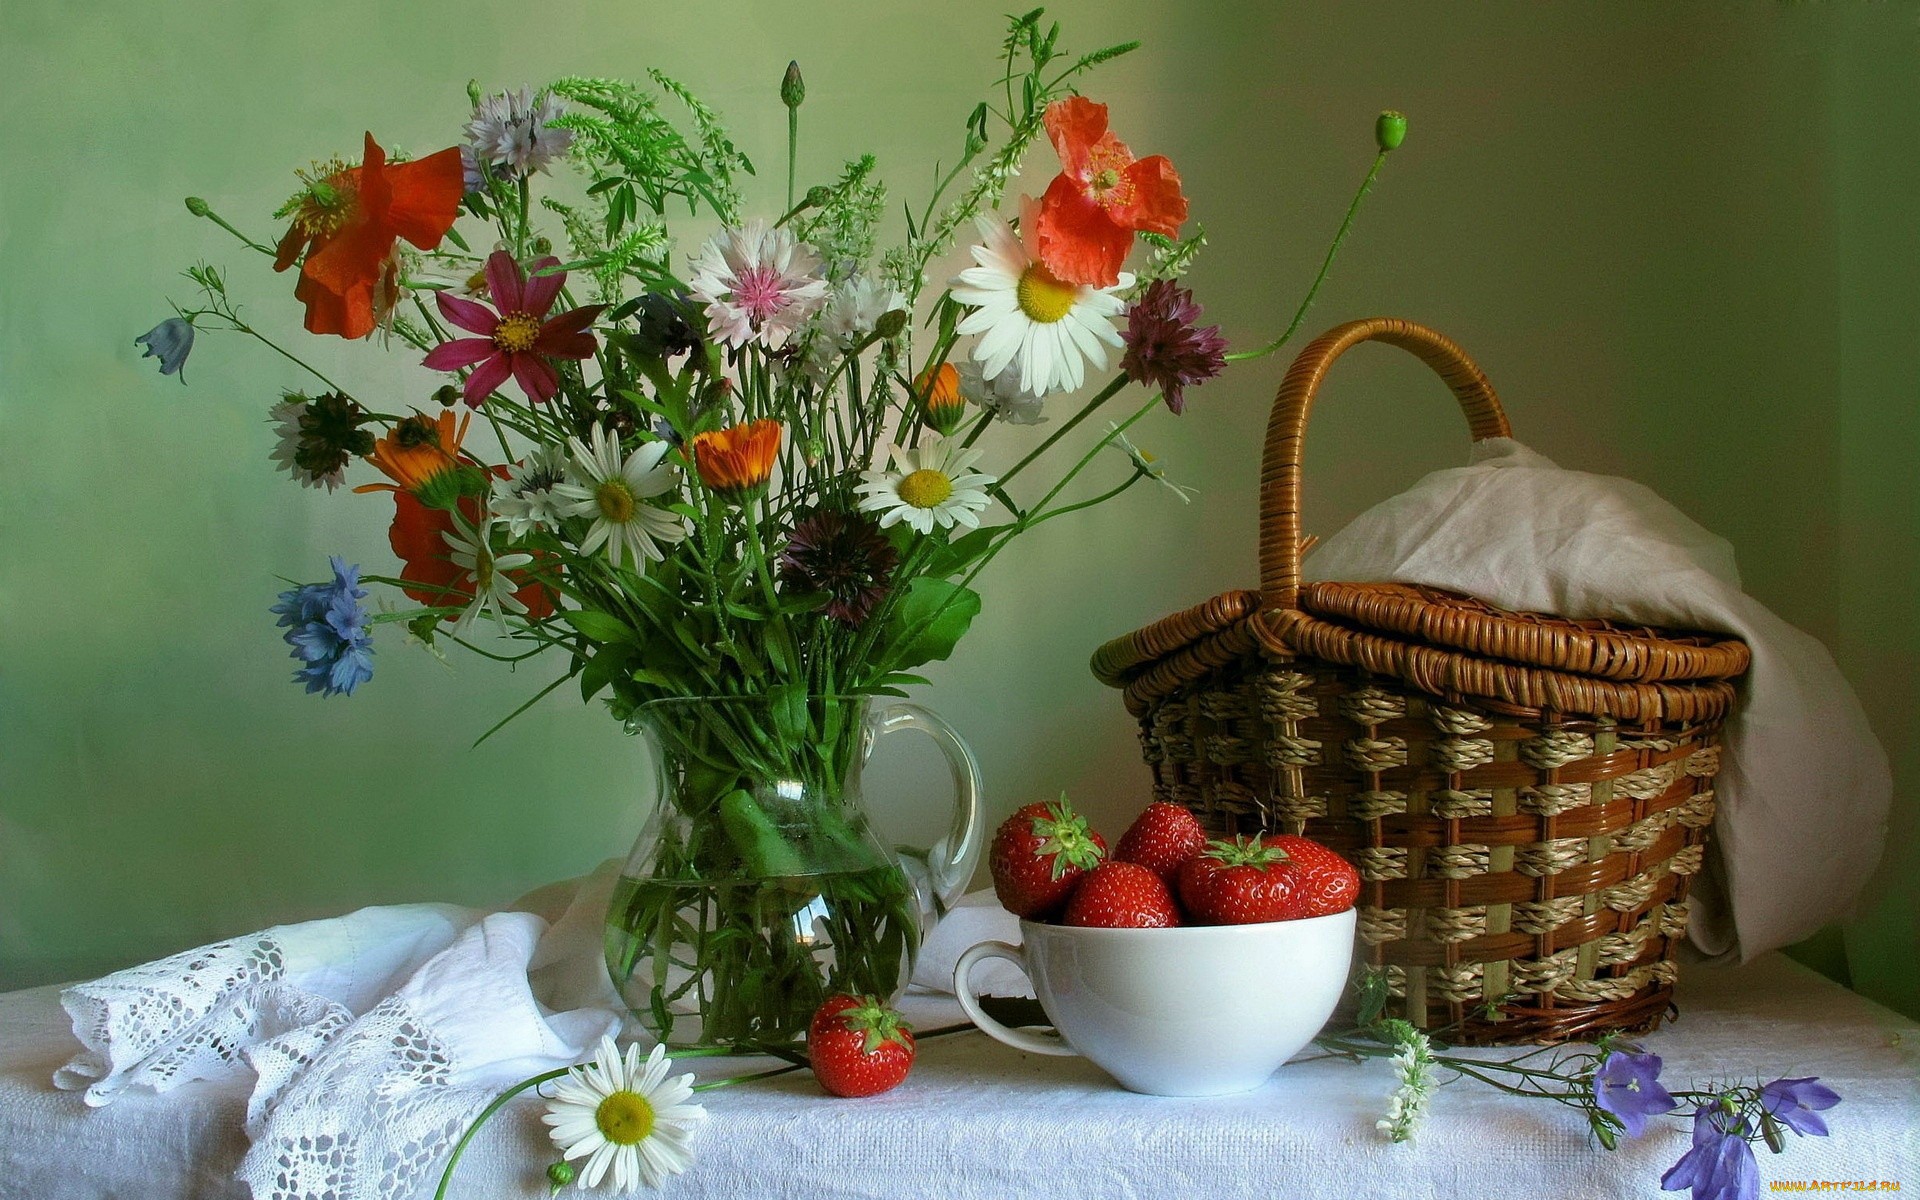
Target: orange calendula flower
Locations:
point(1102, 196)
point(416, 450)
point(347, 219)
point(737, 462)
point(940, 398)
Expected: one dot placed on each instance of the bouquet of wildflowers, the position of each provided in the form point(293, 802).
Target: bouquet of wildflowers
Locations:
point(740, 469)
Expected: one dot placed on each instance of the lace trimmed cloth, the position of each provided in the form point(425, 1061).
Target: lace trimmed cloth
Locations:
point(372, 1039)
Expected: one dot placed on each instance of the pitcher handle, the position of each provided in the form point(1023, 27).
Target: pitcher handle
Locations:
point(951, 862)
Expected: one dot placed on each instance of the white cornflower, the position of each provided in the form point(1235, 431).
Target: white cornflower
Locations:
point(1049, 328)
point(515, 132)
point(471, 549)
point(1407, 1106)
point(614, 494)
point(758, 284)
point(620, 1113)
point(1147, 464)
point(855, 308)
point(525, 500)
point(931, 484)
point(1001, 395)
point(285, 418)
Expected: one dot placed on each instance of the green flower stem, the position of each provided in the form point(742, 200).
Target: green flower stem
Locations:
point(1102, 498)
point(486, 1114)
point(1326, 265)
point(1106, 393)
point(203, 211)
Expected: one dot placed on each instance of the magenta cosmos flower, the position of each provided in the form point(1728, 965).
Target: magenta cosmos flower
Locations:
point(517, 340)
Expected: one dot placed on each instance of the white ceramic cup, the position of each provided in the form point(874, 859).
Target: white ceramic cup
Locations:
point(1198, 1010)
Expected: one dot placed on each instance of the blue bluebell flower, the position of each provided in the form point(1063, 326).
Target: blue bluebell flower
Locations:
point(327, 628)
point(1628, 1086)
point(1720, 1166)
point(1798, 1103)
point(170, 341)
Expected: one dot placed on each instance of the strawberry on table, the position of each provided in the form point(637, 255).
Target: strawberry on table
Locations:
point(1122, 895)
point(1240, 882)
point(858, 1046)
point(1161, 838)
point(1038, 854)
point(1325, 882)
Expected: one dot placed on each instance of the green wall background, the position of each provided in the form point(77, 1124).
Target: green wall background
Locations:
point(1682, 240)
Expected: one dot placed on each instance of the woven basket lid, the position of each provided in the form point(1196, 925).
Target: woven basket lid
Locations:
point(1596, 648)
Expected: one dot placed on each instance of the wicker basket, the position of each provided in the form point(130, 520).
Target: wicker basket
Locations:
point(1526, 797)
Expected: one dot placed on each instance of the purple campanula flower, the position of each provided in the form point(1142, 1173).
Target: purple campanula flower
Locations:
point(1628, 1086)
point(170, 341)
point(1798, 1103)
point(1720, 1166)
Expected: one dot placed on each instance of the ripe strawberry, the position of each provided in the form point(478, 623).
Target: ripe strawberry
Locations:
point(1238, 883)
point(1326, 883)
point(1161, 838)
point(1122, 895)
point(858, 1046)
point(1039, 853)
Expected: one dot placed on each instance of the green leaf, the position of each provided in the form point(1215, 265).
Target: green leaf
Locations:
point(602, 669)
point(787, 705)
point(599, 627)
point(930, 621)
point(962, 552)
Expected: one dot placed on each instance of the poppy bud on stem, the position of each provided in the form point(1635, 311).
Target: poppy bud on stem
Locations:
point(1390, 130)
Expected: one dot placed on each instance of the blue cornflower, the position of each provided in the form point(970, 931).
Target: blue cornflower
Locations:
point(1628, 1086)
point(1720, 1166)
point(170, 341)
point(1797, 1103)
point(327, 629)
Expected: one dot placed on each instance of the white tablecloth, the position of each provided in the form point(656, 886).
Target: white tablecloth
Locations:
point(977, 1120)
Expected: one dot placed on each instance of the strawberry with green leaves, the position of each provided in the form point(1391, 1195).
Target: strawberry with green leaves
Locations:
point(1324, 883)
point(858, 1046)
point(1039, 854)
point(1240, 882)
point(1161, 838)
point(1122, 895)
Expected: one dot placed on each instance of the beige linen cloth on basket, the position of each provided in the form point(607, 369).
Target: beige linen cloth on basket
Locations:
point(1803, 786)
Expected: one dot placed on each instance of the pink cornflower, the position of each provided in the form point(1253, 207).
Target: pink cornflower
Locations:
point(758, 284)
point(517, 340)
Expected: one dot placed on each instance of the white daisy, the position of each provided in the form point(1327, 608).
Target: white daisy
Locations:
point(622, 1113)
point(1050, 328)
point(471, 549)
point(932, 484)
point(525, 500)
point(1147, 465)
point(758, 284)
point(285, 418)
point(1001, 395)
point(614, 494)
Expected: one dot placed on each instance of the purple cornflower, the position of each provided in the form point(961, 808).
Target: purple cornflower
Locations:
point(1628, 1086)
point(327, 629)
point(1797, 1103)
point(1164, 347)
point(1720, 1166)
point(841, 554)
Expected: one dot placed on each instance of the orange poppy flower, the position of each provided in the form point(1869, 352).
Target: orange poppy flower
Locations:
point(939, 392)
point(418, 538)
point(737, 462)
point(415, 450)
point(1102, 196)
point(346, 222)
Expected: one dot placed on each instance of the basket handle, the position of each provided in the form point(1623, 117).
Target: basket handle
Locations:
point(1280, 547)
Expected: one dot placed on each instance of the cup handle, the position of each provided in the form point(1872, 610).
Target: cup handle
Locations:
point(1019, 1039)
point(951, 862)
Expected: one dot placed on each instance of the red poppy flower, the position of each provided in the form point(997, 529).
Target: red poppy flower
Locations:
point(515, 341)
point(1102, 196)
point(347, 221)
point(418, 539)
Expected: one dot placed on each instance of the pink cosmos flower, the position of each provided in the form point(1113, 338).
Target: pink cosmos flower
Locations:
point(517, 340)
